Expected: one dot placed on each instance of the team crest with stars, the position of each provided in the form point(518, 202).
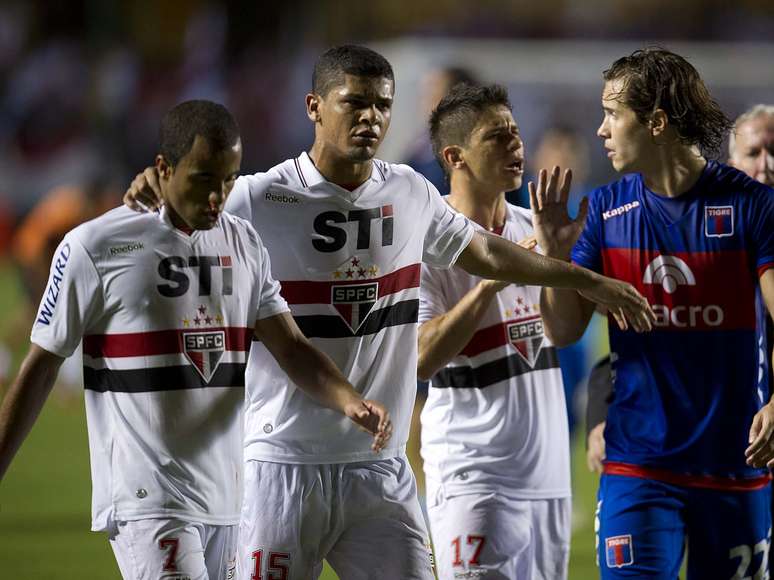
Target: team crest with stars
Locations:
point(526, 332)
point(204, 348)
point(354, 298)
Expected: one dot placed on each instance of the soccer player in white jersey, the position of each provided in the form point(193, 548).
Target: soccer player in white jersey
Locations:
point(347, 234)
point(494, 429)
point(166, 305)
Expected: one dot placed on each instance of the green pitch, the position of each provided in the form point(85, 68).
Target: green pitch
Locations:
point(45, 503)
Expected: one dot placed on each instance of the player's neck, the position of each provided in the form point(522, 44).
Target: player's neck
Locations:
point(674, 170)
point(335, 169)
point(484, 208)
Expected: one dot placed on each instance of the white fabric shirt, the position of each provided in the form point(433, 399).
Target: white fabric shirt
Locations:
point(349, 265)
point(166, 320)
point(495, 417)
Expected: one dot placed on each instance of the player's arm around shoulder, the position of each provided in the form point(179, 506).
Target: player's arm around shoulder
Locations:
point(315, 373)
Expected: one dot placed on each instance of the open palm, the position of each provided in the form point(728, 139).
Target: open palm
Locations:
point(555, 230)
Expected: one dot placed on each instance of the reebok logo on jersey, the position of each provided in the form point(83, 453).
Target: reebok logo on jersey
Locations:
point(718, 221)
point(281, 198)
point(606, 215)
point(204, 350)
point(527, 337)
point(619, 551)
point(126, 248)
point(52, 292)
point(670, 272)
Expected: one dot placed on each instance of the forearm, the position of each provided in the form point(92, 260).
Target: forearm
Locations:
point(444, 337)
point(566, 314)
point(315, 373)
point(495, 258)
point(24, 401)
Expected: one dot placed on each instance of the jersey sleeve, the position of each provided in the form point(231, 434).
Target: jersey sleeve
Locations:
point(587, 251)
point(239, 202)
point(432, 298)
point(72, 300)
point(270, 302)
point(761, 215)
point(448, 234)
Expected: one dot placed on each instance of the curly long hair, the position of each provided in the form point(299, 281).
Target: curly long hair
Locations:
point(655, 78)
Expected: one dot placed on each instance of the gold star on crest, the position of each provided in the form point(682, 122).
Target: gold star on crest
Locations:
point(373, 270)
point(508, 313)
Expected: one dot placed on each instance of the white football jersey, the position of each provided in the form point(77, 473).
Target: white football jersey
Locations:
point(495, 417)
point(166, 320)
point(349, 265)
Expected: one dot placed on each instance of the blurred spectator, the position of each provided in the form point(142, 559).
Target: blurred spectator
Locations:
point(33, 247)
point(435, 85)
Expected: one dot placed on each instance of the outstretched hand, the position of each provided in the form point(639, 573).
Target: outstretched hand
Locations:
point(372, 417)
point(555, 231)
point(623, 301)
point(144, 193)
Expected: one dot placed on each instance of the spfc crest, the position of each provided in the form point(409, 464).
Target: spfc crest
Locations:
point(205, 349)
point(527, 337)
point(353, 302)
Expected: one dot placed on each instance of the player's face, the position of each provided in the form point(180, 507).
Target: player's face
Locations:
point(754, 148)
point(628, 142)
point(494, 153)
point(354, 116)
point(196, 188)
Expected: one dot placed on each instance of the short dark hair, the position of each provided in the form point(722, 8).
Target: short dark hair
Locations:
point(348, 59)
point(455, 117)
point(185, 121)
point(655, 78)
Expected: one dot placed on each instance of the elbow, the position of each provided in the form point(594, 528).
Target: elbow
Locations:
point(425, 370)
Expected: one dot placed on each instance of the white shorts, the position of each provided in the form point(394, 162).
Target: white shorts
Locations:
point(156, 549)
point(364, 518)
point(491, 536)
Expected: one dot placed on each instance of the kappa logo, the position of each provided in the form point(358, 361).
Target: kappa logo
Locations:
point(527, 337)
point(354, 302)
point(718, 221)
point(205, 349)
point(670, 272)
point(619, 551)
point(611, 213)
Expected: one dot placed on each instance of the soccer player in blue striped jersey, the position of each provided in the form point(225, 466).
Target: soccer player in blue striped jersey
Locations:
point(689, 434)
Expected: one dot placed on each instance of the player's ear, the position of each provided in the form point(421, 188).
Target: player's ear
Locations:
point(164, 168)
point(453, 157)
point(658, 123)
point(313, 107)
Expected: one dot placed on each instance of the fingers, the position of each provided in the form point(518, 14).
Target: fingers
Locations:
point(528, 243)
point(583, 212)
point(553, 182)
point(533, 199)
point(564, 189)
point(761, 449)
point(619, 317)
